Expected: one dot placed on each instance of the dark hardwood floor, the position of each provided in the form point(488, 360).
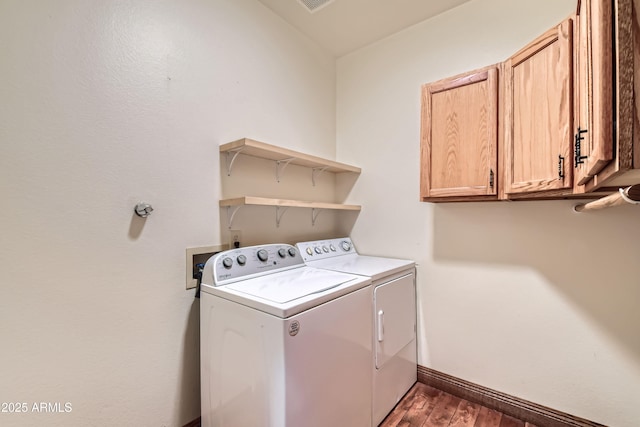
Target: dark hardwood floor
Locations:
point(425, 406)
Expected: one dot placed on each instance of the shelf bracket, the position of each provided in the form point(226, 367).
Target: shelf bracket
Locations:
point(314, 215)
point(281, 165)
point(280, 210)
point(316, 172)
point(231, 213)
point(231, 157)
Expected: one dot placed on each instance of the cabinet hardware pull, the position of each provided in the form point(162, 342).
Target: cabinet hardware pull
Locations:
point(491, 178)
point(560, 167)
point(578, 157)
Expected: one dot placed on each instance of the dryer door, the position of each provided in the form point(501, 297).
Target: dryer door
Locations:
point(395, 317)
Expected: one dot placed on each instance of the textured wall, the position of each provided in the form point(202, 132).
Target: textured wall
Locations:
point(103, 104)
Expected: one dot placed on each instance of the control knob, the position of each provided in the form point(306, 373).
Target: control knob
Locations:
point(346, 246)
point(318, 250)
point(309, 250)
point(242, 260)
point(227, 262)
point(292, 251)
point(282, 253)
point(325, 249)
point(263, 255)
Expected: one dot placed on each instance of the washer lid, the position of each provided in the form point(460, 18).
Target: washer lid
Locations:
point(290, 292)
point(374, 267)
point(290, 285)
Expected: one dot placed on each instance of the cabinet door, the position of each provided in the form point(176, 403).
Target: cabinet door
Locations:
point(460, 136)
point(539, 110)
point(593, 144)
point(624, 168)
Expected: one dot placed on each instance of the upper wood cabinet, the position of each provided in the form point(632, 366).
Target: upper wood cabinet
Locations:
point(593, 139)
point(568, 115)
point(459, 137)
point(539, 114)
point(613, 25)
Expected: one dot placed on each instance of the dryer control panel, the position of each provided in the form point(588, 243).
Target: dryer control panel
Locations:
point(251, 261)
point(321, 249)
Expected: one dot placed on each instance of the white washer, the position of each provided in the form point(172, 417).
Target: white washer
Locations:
point(393, 315)
point(283, 344)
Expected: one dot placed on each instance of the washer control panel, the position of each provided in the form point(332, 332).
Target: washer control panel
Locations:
point(321, 249)
point(235, 264)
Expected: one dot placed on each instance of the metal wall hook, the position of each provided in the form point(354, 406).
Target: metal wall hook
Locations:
point(143, 210)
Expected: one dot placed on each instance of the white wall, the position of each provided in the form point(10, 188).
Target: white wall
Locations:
point(104, 104)
point(523, 297)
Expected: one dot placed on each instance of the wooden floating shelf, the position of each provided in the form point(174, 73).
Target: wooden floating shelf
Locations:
point(263, 201)
point(263, 150)
point(282, 157)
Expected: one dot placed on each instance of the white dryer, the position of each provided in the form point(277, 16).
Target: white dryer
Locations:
point(283, 344)
point(393, 315)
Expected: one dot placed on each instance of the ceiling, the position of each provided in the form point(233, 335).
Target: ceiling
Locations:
point(342, 26)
